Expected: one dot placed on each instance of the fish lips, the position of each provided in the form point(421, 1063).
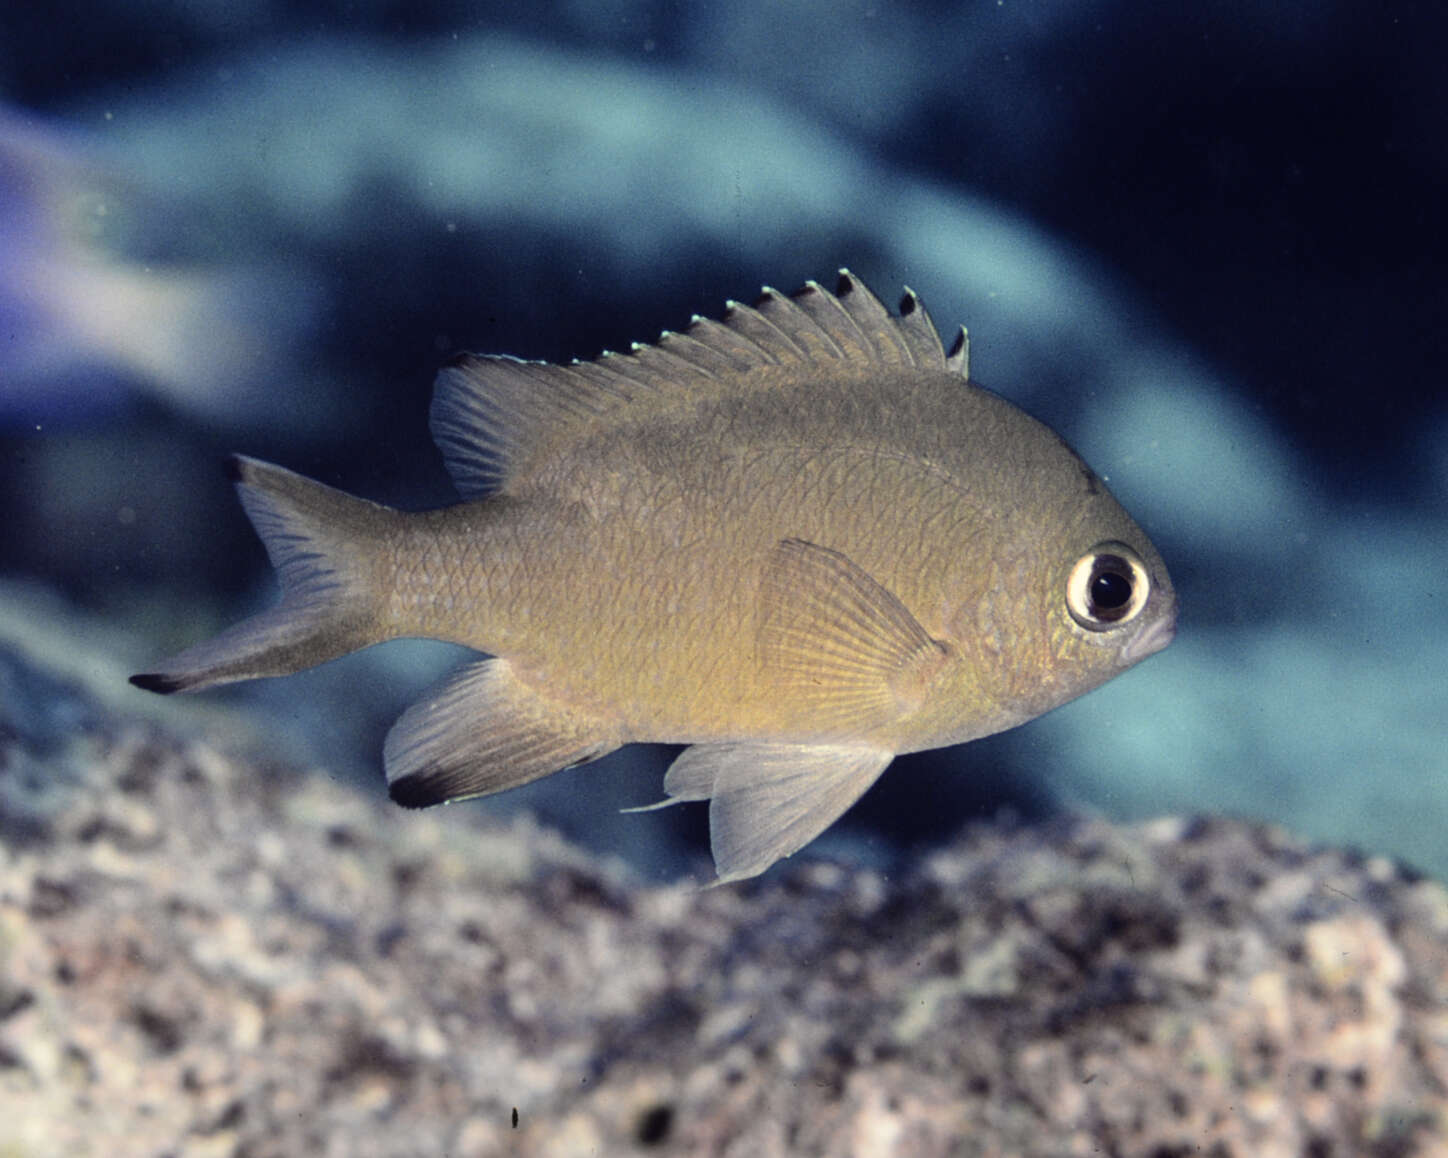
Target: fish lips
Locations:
point(1151, 639)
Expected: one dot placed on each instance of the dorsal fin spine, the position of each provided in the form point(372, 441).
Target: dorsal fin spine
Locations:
point(880, 331)
point(958, 359)
point(771, 302)
point(709, 360)
point(733, 343)
point(815, 297)
point(814, 341)
point(750, 324)
point(671, 360)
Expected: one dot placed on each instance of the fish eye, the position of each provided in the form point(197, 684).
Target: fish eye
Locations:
point(1108, 587)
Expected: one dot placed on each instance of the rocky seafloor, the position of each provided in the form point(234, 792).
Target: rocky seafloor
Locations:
point(203, 953)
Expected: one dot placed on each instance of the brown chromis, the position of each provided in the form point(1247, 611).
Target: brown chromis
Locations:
point(798, 540)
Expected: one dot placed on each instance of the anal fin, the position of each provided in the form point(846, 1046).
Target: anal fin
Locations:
point(482, 731)
point(770, 800)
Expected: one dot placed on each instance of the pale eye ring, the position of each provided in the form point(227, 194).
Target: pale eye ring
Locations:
point(1108, 587)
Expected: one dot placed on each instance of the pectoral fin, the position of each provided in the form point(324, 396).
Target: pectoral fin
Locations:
point(839, 642)
point(770, 800)
point(482, 731)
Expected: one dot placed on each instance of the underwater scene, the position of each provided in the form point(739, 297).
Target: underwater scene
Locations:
point(1052, 714)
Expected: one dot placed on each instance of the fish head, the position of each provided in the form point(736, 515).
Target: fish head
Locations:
point(1108, 601)
point(1072, 593)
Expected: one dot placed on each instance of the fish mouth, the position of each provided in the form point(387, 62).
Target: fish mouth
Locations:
point(1151, 640)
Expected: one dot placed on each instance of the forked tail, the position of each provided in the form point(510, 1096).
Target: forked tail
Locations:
point(324, 545)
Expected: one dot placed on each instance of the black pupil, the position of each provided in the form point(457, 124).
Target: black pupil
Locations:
point(1110, 591)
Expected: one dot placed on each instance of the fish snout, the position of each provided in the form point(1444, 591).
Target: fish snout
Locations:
point(1151, 639)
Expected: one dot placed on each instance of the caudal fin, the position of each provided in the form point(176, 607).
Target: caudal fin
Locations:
point(323, 544)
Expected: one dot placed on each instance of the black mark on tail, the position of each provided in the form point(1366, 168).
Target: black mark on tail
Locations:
point(155, 682)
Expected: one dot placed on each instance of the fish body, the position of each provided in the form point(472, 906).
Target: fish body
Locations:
point(797, 540)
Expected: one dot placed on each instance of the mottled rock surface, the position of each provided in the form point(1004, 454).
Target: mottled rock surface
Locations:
point(203, 956)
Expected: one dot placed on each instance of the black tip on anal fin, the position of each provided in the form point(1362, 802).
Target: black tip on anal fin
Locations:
point(417, 791)
point(844, 283)
point(909, 303)
point(156, 682)
point(235, 468)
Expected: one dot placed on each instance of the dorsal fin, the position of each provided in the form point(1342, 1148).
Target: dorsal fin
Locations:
point(494, 416)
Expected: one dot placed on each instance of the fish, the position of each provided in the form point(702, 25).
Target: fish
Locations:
point(797, 539)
